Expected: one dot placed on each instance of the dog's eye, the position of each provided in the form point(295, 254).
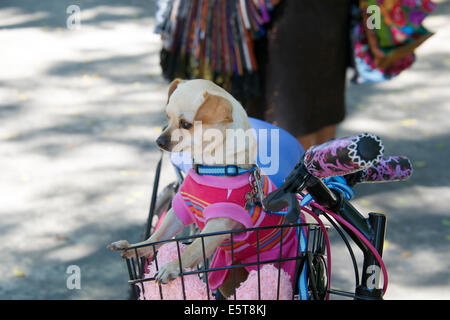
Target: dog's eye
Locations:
point(185, 125)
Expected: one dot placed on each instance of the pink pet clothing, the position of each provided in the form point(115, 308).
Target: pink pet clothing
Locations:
point(204, 197)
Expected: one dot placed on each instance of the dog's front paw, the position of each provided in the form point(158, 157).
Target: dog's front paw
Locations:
point(168, 272)
point(118, 245)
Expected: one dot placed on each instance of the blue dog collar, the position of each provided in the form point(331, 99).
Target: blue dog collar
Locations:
point(228, 170)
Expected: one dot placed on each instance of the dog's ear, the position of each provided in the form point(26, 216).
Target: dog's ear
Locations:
point(214, 109)
point(172, 87)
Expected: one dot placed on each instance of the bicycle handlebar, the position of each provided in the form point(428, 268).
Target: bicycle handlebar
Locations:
point(395, 168)
point(335, 157)
point(358, 159)
point(344, 156)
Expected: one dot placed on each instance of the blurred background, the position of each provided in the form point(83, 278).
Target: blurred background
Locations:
point(79, 113)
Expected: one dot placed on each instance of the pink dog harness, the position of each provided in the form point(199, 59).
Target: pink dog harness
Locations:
point(203, 197)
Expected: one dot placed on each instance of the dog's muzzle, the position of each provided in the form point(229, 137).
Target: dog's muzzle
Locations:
point(163, 142)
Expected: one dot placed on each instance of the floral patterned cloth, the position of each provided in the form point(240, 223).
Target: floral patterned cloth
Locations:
point(400, 31)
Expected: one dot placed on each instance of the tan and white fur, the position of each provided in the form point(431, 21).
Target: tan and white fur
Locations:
point(189, 102)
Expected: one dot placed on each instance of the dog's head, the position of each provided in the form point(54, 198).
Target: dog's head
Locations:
point(206, 120)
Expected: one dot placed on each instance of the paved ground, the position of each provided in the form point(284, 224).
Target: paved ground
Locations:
point(79, 110)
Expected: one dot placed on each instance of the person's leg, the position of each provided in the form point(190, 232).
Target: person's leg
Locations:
point(318, 137)
point(307, 141)
point(326, 133)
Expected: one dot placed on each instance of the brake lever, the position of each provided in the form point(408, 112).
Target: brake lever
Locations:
point(286, 195)
point(294, 209)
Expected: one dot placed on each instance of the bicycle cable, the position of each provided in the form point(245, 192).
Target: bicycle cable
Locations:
point(327, 243)
point(363, 238)
point(339, 184)
point(347, 244)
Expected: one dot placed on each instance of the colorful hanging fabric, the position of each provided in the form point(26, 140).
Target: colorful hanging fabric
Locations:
point(213, 39)
point(382, 53)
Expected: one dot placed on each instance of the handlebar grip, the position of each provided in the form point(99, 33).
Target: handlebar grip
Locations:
point(394, 168)
point(344, 156)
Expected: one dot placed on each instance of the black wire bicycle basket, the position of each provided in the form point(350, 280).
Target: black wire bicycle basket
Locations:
point(309, 264)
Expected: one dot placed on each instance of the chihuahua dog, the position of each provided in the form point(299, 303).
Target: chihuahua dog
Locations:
point(204, 120)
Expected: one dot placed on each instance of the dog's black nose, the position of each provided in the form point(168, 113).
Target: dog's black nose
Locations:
point(163, 142)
